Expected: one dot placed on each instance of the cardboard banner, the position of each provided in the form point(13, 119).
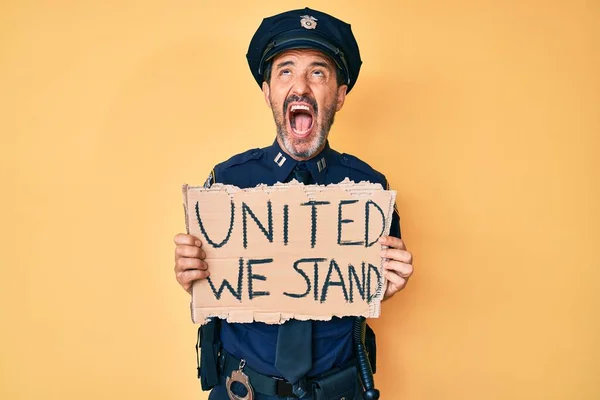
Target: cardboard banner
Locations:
point(289, 250)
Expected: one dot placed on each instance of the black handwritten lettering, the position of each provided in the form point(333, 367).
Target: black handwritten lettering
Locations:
point(367, 205)
point(328, 282)
point(316, 276)
point(313, 215)
point(225, 284)
point(267, 232)
point(286, 217)
point(345, 221)
point(306, 278)
point(353, 277)
point(203, 230)
point(252, 277)
point(369, 294)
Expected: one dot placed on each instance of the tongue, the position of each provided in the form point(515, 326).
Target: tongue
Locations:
point(303, 122)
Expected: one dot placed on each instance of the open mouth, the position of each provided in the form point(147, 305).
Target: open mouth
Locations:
point(301, 117)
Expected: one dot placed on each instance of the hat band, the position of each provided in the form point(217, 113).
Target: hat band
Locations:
point(336, 52)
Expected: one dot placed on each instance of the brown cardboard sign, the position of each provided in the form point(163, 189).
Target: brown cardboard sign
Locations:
point(289, 250)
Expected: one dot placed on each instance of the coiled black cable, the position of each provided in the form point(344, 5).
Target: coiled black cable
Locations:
point(364, 366)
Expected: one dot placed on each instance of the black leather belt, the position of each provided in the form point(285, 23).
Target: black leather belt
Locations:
point(261, 383)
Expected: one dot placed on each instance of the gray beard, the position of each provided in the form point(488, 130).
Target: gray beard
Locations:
point(315, 144)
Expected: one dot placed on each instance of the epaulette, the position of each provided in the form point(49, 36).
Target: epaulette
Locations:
point(216, 175)
point(241, 158)
point(358, 164)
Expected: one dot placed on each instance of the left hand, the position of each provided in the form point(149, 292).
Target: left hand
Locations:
point(397, 267)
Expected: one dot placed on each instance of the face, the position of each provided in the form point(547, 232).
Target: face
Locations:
point(304, 96)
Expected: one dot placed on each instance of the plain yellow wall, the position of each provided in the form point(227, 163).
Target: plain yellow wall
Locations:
point(485, 116)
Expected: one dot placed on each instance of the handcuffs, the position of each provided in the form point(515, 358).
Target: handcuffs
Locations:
point(240, 377)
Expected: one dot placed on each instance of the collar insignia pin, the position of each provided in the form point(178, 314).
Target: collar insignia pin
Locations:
point(321, 165)
point(280, 159)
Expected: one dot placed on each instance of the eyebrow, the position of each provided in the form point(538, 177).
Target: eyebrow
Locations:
point(285, 64)
point(320, 64)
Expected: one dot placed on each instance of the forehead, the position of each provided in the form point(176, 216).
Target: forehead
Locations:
point(303, 56)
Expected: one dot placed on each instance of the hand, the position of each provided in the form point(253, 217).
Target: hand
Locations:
point(189, 264)
point(398, 265)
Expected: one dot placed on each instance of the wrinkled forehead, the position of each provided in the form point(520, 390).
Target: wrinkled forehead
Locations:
point(304, 56)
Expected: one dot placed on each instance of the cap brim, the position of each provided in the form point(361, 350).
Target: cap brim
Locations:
point(296, 41)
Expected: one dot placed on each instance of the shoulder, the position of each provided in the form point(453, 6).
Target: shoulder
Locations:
point(236, 167)
point(240, 159)
point(359, 168)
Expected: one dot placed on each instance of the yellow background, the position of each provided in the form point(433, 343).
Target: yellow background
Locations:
point(484, 115)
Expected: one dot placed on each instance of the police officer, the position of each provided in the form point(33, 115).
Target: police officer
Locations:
point(305, 62)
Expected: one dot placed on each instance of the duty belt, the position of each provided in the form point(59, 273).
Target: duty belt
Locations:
point(263, 384)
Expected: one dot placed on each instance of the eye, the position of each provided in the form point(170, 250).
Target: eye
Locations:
point(318, 73)
point(285, 72)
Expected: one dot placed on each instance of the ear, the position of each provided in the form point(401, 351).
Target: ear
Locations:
point(341, 96)
point(266, 91)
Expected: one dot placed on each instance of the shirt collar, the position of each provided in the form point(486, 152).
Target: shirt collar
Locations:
point(283, 164)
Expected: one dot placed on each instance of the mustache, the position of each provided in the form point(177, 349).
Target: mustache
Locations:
point(300, 99)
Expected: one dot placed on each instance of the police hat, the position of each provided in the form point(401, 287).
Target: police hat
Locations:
point(305, 29)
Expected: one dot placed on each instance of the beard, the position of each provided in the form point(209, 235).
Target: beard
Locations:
point(304, 147)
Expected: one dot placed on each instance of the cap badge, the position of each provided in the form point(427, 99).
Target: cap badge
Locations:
point(308, 22)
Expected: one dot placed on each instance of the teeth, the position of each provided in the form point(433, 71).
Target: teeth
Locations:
point(299, 107)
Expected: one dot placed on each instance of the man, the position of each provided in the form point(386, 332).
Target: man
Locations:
point(306, 62)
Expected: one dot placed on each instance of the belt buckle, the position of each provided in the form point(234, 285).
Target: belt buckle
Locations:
point(240, 377)
point(283, 388)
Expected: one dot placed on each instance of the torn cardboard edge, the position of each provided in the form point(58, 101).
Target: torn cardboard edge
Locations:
point(268, 317)
point(357, 189)
point(246, 314)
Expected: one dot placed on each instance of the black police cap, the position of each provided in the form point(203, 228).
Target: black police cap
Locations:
point(305, 29)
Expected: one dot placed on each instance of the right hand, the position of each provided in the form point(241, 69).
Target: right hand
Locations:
point(189, 261)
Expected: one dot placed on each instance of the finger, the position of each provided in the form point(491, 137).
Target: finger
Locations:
point(392, 241)
point(396, 281)
point(188, 240)
point(189, 251)
point(184, 264)
point(185, 278)
point(398, 255)
point(403, 269)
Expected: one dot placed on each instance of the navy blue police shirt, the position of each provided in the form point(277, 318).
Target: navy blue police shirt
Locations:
point(332, 340)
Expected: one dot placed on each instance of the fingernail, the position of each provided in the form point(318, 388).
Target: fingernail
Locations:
point(381, 239)
point(382, 253)
point(198, 243)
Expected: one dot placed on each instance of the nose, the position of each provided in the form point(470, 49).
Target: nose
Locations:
point(300, 86)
